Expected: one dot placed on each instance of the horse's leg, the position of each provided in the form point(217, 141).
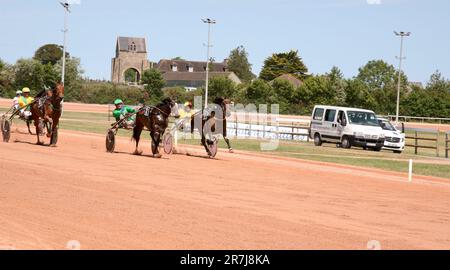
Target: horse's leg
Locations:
point(29, 129)
point(204, 143)
point(192, 124)
point(224, 134)
point(48, 120)
point(228, 143)
point(54, 126)
point(36, 124)
point(137, 130)
point(155, 138)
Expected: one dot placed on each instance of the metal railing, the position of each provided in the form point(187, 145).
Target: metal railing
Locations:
point(418, 119)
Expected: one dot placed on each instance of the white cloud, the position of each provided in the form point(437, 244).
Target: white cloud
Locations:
point(374, 2)
point(74, 2)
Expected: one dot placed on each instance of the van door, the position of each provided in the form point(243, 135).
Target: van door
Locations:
point(341, 123)
point(316, 121)
point(330, 132)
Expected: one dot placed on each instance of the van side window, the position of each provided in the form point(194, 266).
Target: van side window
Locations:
point(341, 117)
point(318, 114)
point(330, 115)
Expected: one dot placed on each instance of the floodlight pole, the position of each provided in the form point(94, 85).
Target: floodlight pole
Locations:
point(209, 22)
point(401, 35)
point(66, 12)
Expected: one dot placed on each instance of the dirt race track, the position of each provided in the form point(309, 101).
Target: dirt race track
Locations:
point(77, 191)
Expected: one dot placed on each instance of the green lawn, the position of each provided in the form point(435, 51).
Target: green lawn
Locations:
point(98, 123)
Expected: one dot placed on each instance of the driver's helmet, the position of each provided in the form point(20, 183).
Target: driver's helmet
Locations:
point(118, 101)
point(188, 104)
point(26, 90)
point(19, 92)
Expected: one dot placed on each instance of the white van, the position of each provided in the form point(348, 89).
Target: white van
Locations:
point(347, 127)
point(394, 138)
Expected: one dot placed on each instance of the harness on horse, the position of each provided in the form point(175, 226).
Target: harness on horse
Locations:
point(210, 111)
point(148, 109)
point(41, 102)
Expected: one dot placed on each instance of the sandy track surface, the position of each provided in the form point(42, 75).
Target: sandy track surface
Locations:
point(79, 192)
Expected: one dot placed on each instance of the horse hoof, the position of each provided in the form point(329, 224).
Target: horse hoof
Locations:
point(137, 153)
point(231, 150)
point(39, 143)
point(52, 145)
point(48, 135)
point(157, 155)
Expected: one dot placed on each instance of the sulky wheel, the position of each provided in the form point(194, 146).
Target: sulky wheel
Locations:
point(6, 130)
point(110, 141)
point(168, 143)
point(213, 147)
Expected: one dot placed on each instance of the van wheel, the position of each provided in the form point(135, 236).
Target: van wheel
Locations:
point(397, 151)
point(317, 140)
point(377, 149)
point(346, 142)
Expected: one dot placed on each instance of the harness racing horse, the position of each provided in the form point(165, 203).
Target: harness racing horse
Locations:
point(156, 120)
point(47, 109)
point(212, 121)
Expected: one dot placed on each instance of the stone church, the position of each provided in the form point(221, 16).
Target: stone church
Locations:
point(132, 60)
point(131, 54)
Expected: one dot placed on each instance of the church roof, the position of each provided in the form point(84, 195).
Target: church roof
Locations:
point(123, 44)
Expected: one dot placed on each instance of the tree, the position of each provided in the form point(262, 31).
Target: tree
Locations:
point(6, 79)
point(72, 77)
point(29, 73)
point(418, 103)
point(438, 83)
point(438, 90)
point(221, 86)
point(381, 80)
point(283, 92)
point(49, 53)
point(357, 94)
point(175, 93)
point(153, 83)
point(337, 84)
point(283, 63)
point(131, 75)
point(316, 90)
point(239, 64)
point(257, 92)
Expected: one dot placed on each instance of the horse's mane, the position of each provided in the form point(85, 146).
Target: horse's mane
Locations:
point(164, 102)
point(219, 100)
point(40, 94)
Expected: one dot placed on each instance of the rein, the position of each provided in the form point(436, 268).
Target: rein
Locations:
point(155, 107)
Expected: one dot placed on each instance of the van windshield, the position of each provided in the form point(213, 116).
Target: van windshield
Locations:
point(362, 118)
point(386, 125)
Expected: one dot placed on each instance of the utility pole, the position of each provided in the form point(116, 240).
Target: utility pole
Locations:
point(66, 7)
point(209, 22)
point(401, 35)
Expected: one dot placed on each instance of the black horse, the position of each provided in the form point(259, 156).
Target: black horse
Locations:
point(155, 119)
point(211, 121)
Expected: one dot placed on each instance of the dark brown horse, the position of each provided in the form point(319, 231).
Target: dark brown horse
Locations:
point(156, 120)
point(46, 111)
point(212, 120)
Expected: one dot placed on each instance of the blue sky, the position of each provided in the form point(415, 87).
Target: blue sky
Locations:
point(345, 33)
